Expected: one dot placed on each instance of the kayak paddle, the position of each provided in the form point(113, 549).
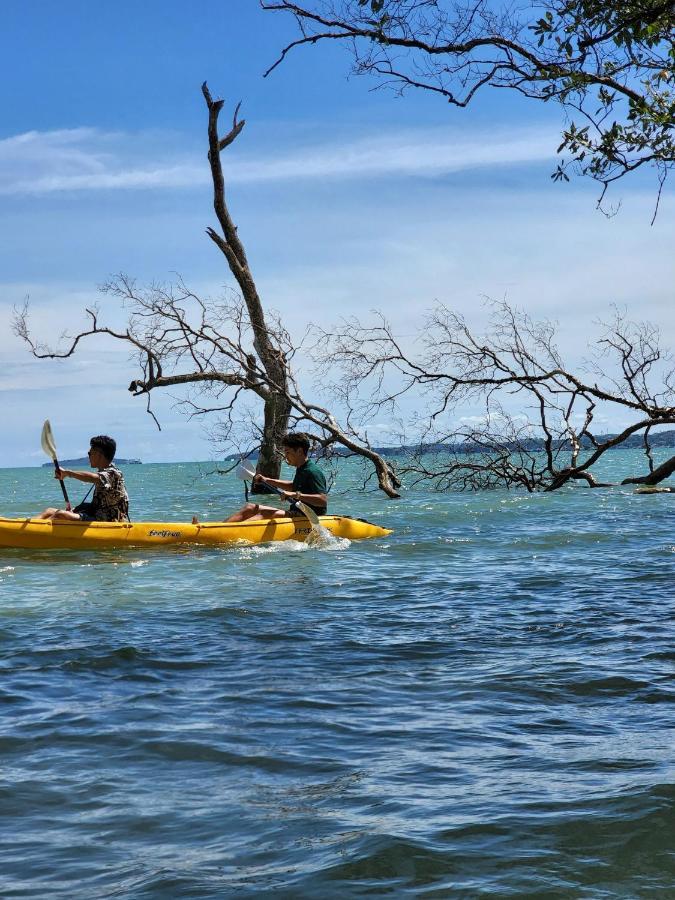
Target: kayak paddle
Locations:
point(247, 474)
point(48, 445)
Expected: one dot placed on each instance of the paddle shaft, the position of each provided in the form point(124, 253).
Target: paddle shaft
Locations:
point(278, 491)
point(57, 468)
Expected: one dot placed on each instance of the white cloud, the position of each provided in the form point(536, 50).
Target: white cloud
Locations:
point(85, 159)
point(424, 153)
point(82, 159)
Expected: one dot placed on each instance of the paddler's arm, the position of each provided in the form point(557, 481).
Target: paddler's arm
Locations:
point(310, 499)
point(289, 492)
point(274, 482)
point(92, 477)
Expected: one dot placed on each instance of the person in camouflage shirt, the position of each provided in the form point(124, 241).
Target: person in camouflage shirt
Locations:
point(110, 502)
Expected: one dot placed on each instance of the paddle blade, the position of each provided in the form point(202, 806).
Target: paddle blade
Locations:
point(309, 512)
point(47, 441)
point(48, 445)
point(244, 471)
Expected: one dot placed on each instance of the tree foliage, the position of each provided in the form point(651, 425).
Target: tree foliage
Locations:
point(610, 65)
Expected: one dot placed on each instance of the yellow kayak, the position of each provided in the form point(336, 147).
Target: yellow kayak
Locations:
point(41, 534)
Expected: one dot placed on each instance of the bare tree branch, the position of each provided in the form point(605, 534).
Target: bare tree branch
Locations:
point(537, 427)
point(608, 63)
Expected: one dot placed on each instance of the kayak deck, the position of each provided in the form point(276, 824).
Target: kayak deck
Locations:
point(43, 534)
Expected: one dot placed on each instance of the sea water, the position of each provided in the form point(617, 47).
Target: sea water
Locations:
point(480, 704)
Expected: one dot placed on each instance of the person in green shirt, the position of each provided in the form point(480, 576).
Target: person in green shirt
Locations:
point(308, 485)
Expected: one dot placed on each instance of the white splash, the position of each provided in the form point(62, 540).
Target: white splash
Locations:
point(275, 547)
point(320, 538)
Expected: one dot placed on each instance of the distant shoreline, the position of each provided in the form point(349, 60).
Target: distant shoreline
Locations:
point(83, 461)
point(662, 441)
point(658, 440)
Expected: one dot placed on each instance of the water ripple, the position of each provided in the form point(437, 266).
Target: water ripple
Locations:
point(481, 705)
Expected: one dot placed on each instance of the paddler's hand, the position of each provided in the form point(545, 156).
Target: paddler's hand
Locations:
point(290, 496)
point(259, 479)
point(61, 474)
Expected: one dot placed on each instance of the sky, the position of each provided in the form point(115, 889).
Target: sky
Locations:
point(348, 199)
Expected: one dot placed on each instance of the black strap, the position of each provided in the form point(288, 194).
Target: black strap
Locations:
point(84, 499)
point(125, 508)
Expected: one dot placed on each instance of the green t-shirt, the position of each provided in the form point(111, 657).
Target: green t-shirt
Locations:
point(309, 479)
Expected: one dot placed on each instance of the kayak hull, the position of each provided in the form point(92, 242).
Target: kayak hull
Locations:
point(43, 534)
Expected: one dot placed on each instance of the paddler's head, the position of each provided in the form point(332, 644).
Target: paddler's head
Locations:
point(296, 448)
point(101, 451)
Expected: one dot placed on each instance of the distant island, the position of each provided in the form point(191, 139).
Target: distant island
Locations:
point(634, 442)
point(83, 461)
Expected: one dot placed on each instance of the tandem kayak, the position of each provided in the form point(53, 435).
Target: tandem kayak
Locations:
point(43, 534)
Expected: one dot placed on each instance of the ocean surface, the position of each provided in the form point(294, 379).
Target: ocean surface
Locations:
point(480, 705)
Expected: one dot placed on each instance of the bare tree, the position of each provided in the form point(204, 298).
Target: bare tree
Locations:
point(270, 355)
point(609, 65)
point(533, 418)
point(221, 351)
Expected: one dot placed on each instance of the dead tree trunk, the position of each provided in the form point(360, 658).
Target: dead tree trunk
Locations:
point(660, 472)
point(277, 406)
point(276, 413)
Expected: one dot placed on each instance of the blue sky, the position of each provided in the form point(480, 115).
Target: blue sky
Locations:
point(348, 199)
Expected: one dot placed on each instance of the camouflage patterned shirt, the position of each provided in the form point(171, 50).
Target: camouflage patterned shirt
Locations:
point(110, 502)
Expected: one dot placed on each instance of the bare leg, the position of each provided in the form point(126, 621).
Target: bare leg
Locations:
point(47, 513)
point(67, 515)
point(52, 513)
point(255, 511)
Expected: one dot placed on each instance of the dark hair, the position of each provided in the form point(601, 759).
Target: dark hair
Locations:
point(297, 440)
point(105, 444)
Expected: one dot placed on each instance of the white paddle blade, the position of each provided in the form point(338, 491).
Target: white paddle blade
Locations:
point(244, 472)
point(47, 441)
